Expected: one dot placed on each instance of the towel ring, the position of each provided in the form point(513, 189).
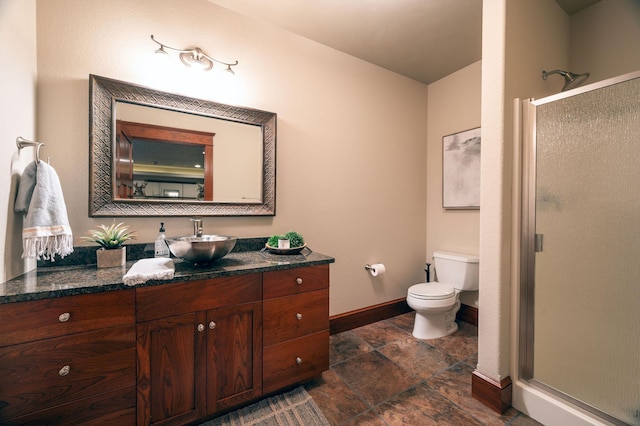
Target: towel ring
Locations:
point(23, 143)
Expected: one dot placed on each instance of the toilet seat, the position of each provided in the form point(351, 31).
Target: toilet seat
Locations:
point(432, 291)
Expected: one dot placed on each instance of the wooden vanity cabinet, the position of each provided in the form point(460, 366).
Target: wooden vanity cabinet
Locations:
point(199, 348)
point(168, 354)
point(296, 326)
point(68, 360)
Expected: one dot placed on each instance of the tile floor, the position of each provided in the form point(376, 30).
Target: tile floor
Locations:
point(381, 375)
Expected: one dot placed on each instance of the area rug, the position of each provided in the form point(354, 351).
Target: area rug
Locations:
point(293, 408)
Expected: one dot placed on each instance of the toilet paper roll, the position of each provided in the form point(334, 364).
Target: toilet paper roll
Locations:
point(377, 269)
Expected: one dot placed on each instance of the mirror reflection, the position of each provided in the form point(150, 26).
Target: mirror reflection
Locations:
point(155, 154)
point(163, 154)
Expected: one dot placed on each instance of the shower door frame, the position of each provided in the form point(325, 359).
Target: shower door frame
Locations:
point(526, 321)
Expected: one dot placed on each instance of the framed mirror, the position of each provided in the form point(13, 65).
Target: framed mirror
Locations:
point(154, 153)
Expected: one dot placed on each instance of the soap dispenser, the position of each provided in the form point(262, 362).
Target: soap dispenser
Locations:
point(161, 247)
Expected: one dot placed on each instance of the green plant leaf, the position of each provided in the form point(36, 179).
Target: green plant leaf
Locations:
point(110, 237)
point(295, 239)
point(273, 240)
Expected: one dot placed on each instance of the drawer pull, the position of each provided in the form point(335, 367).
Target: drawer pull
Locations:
point(212, 325)
point(298, 316)
point(298, 360)
point(200, 327)
point(64, 317)
point(64, 370)
point(299, 280)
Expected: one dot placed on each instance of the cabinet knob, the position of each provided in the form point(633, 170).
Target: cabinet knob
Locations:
point(298, 360)
point(64, 317)
point(299, 280)
point(64, 370)
point(200, 327)
point(212, 325)
point(298, 316)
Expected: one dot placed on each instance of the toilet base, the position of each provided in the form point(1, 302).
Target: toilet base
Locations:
point(433, 325)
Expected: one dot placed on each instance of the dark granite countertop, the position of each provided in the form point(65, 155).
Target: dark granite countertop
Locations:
point(72, 279)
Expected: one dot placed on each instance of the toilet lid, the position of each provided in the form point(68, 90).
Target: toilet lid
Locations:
point(431, 291)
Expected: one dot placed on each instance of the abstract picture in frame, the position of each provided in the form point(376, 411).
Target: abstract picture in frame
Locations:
point(461, 170)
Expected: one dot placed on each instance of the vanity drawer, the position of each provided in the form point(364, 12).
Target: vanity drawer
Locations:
point(295, 361)
point(192, 296)
point(43, 374)
point(42, 319)
point(291, 317)
point(117, 407)
point(293, 281)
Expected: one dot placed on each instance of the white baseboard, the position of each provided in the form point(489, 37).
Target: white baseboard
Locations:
point(549, 410)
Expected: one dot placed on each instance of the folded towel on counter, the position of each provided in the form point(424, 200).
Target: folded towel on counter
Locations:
point(45, 230)
point(157, 268)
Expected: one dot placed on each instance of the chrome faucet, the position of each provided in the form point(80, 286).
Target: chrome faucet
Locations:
point(197, 227)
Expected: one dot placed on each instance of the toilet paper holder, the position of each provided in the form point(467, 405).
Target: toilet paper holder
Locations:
point(376, 269)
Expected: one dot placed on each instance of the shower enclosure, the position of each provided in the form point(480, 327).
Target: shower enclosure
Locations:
point(580, 306)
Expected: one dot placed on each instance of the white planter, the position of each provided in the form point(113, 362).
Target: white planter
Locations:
point(283, 243)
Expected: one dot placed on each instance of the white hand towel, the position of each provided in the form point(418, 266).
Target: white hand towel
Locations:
point(157, 268)
point(46, 231)
point(25, 188)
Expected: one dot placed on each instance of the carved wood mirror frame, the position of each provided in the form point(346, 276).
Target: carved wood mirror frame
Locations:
point(103, 95)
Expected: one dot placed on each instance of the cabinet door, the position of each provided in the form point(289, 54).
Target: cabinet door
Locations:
point(171, 370)
point(234, 362)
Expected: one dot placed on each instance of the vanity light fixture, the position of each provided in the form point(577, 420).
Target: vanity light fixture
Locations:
point(194, 57)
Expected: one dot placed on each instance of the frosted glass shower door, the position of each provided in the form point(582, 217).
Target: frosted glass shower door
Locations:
point(586, 304)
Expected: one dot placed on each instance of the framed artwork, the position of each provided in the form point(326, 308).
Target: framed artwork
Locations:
point(461, 170)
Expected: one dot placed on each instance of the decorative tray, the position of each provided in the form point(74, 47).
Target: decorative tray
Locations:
point(294, 250)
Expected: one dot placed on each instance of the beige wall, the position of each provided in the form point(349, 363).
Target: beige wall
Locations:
point(604, 39)
point(351, 153)
point(17, 118)
point(454, 106)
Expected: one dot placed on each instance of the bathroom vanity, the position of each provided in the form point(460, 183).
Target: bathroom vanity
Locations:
point(78, 346)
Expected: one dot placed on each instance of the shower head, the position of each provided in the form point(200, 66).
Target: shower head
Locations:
point(571, 80)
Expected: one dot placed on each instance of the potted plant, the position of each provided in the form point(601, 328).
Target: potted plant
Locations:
point(110, 239)
point(289, 243)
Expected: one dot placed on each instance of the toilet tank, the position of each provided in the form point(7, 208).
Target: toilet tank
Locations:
point(458, 270)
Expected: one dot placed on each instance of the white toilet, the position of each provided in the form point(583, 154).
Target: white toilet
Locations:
point(436, 303)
